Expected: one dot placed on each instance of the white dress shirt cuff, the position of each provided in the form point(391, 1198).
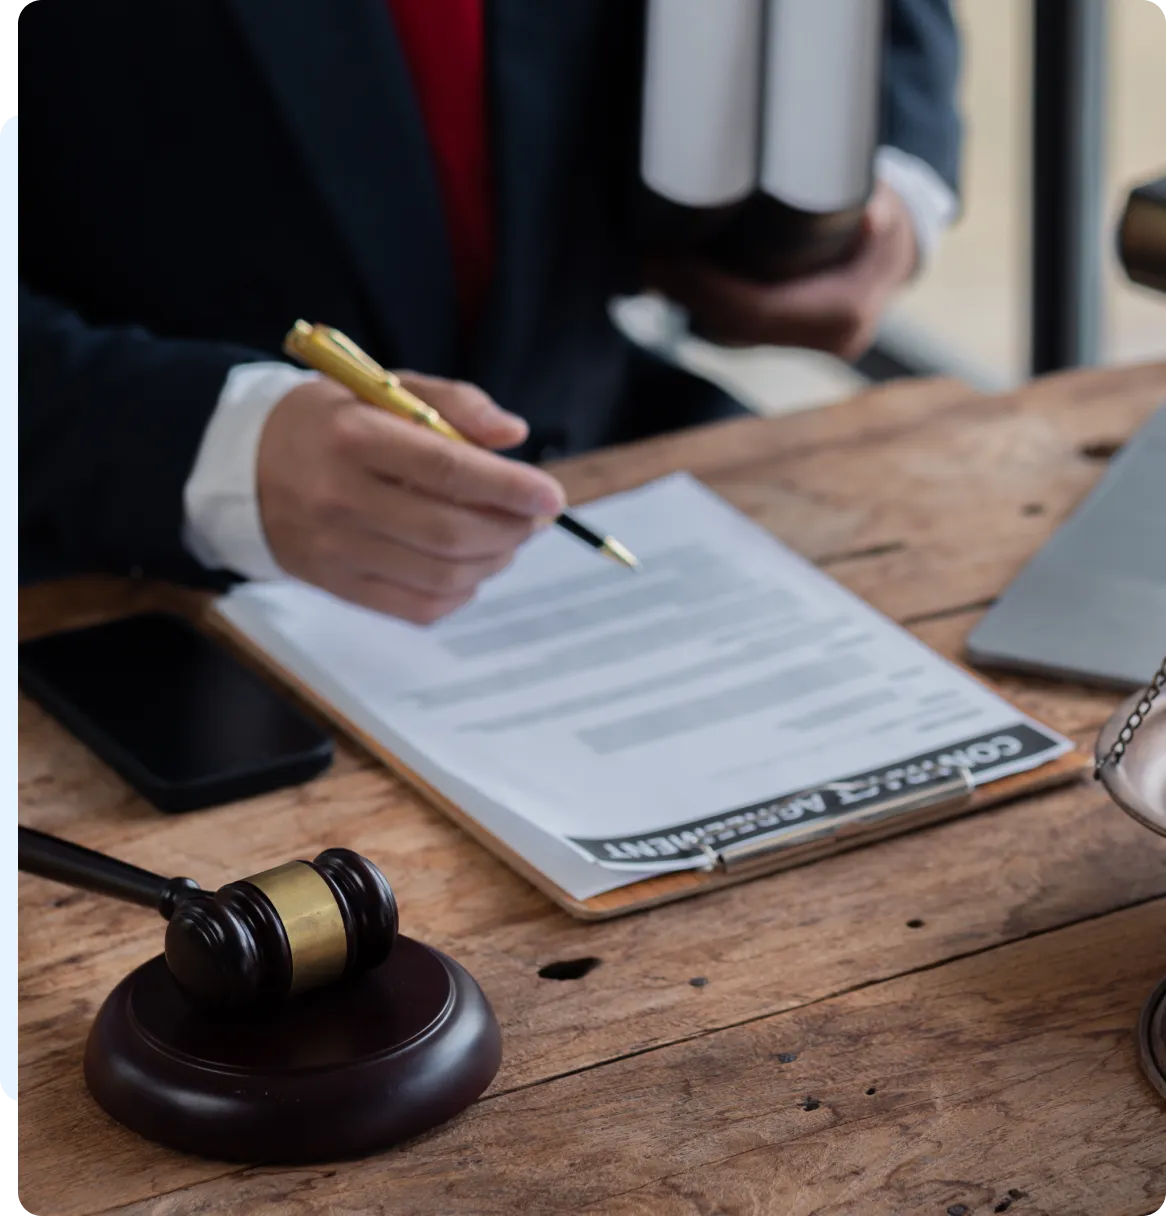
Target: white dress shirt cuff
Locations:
point(223, 527)
point(931, 202)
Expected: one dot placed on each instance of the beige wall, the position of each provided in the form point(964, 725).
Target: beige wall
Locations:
point(974, 298)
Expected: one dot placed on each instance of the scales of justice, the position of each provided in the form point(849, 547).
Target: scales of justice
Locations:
point(1131, 749)
point(1131, 765)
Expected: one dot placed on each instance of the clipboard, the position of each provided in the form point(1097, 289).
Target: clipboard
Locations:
point(725, 867)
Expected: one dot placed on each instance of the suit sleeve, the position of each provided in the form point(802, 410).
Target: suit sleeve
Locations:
point(920, 113)
point(110, 422)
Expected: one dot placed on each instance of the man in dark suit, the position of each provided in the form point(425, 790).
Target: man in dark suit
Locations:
point(449, 182)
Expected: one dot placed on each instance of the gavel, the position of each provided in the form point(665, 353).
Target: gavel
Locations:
point(253, 942)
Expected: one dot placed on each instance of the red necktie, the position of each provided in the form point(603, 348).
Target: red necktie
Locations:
point(444, 43)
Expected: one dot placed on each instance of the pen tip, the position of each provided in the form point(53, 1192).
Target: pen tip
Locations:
point(613, 549)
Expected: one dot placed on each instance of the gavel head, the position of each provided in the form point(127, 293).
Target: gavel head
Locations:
point(299, 926)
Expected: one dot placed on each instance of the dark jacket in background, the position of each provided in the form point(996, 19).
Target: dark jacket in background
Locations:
point(197, 174)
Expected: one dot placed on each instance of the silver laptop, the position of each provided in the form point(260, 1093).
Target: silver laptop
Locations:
point(1091, 606)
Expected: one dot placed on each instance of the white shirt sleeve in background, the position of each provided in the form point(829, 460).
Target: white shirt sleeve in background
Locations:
point(223, 528)
point(928, 198)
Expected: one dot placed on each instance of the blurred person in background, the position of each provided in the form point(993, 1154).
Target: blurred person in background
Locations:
point(449, 182)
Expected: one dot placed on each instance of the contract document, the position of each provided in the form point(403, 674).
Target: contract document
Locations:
point(608, 725)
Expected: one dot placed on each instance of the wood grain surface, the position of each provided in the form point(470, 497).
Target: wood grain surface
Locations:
point(982, 976)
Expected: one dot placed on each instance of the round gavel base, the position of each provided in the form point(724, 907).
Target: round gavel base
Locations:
point(336, 1073)
point(1152, 1038)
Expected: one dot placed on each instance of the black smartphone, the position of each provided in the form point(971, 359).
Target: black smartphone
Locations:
point(174, 712)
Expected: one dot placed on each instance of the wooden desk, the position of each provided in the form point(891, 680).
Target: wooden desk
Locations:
point(939, 1023)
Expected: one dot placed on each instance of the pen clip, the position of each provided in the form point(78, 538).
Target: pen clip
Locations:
point(346, 345)
point(304, 336)
point(321, 347)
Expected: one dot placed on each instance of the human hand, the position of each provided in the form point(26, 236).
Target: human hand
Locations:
point(837, 311)
point(388, 514)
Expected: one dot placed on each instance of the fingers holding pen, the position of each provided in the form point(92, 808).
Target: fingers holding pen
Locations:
point(375, 511)
point(387, 514)
point(400, 451)
point(469, 410)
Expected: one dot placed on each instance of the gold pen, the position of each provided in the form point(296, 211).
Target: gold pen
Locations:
point(330, 352)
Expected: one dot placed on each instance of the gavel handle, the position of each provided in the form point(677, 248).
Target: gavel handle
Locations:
point(76, 866)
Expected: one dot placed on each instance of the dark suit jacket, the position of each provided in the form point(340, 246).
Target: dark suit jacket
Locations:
point(196, 174)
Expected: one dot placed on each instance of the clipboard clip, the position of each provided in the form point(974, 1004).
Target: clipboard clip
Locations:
point(949, 786)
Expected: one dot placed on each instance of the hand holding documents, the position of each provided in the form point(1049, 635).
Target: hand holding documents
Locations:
point(759, 130)
point(605, 730)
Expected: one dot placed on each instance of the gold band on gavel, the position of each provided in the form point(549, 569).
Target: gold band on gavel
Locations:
point(311, 919)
